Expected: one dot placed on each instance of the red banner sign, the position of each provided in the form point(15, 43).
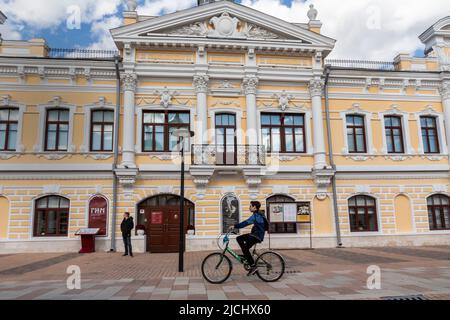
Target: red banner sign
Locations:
point(157, 217)
point(98, 214)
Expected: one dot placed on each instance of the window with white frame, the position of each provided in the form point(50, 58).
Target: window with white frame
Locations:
point(57, 130)
point(356, 133)
point(393, 130)
point(283, 132)
point(429, 130)
point(9, 122)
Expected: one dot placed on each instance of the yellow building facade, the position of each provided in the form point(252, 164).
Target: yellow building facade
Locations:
point(340, 152)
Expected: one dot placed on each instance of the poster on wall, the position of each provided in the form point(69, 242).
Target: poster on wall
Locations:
point(98, 214)
point(304, 212)
point(290, 212)
point(230, 212)
point(276, 212)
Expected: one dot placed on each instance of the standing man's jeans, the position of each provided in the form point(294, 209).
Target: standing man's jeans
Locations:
point(127, 245)
point(246, 241)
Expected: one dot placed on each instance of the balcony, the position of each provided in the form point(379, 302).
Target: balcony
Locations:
point(246, 160)
point(229, 155)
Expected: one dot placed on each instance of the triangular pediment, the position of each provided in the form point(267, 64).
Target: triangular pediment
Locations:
point(221, 20)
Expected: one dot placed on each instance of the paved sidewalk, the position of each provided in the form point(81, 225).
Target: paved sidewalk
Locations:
point(311, 274)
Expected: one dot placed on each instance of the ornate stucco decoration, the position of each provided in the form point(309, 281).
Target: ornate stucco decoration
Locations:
point(322, 179)
point(225, 27)
point(194, 29)
point(433, 158)
point(54, 156)
point(254, 31)
point(201, 83)
point(398, 158)
point(129, 81)
point(250, 84)
point(283, 99)
point(166, 97)
point(316, 87)
point(98, 156)
point(360, 158)
point(444, 90)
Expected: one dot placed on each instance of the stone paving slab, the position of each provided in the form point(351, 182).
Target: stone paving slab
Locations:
point(325, 274)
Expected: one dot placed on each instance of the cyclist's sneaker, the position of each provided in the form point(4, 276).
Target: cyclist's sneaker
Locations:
point(252, 270)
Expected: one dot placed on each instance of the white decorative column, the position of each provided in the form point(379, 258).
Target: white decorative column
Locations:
point(201, 89)
point(445, 94)
point(250, 83)
point(128, 147)
point(315, 89)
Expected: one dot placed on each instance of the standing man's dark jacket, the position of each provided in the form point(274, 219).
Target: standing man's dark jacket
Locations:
point(126, 226)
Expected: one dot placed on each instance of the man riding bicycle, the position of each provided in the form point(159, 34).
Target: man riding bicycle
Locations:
point(247, 241)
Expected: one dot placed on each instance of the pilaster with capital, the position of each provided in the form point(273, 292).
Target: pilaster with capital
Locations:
point(316, 89)
point(129, 83)
point(444, 90)
point(201, 88)
point(250, 85)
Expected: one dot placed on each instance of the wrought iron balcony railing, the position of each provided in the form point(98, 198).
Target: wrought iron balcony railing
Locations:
point(230, 155)
point(82, 54)
point(362, 64)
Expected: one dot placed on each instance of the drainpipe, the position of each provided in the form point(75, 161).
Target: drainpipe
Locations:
point(117, 60)
point(327, 72)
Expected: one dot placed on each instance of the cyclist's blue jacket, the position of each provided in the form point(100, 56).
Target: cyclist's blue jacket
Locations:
point(258, 221)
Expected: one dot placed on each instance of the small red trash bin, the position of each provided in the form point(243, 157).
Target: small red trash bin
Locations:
point(87, 239)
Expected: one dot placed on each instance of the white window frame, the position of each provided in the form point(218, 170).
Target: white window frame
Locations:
point(308, 125)
point(430, 112)
point(33, 217)
point(404, 116)
point(378, 213)
point(6, 103)
point(86, 147)
point(238, 114)
point(42, 109)
point(156, 107)
point(356, 110)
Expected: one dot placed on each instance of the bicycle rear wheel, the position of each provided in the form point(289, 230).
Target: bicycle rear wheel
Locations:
point(270, 266)
point(216, 268)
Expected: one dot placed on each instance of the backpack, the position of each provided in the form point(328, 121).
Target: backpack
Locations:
point(266, 223)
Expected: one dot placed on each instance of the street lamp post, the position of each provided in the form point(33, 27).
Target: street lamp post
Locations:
point(182, 134)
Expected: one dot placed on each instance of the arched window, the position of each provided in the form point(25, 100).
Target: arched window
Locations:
point(51, 217)
point(280, 227)
point(363, 214)
point(439, 212)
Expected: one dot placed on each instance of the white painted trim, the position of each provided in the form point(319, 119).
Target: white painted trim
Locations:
point(356, 110)
point(86, 147)
point(22, 109)
point(308, 125)
point(392, 168)
point(378, 211)
point(429, 111)
point(42, 109)
point(404, 116)
point(238, 114)
point(156, 107)
point(56, 167)
point(32, 216)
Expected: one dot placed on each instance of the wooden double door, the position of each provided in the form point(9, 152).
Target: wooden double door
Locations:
point(163, 228)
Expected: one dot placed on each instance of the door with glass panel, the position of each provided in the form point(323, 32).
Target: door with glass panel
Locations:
point(226, 139)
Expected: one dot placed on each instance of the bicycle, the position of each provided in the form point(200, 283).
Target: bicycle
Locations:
point(217, 266)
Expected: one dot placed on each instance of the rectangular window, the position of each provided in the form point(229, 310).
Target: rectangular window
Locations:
point(356, 134)
point(394, 134)
point(57, 130)
point(9, 119)
point(157, 129)
point(429, 135)
point(283, 132)
point(102, 124)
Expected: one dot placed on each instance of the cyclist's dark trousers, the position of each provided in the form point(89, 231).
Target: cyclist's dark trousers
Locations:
point(246, 241)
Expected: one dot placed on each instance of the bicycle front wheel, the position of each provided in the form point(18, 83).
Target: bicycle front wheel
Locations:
point(216, 268)
point(270, 266)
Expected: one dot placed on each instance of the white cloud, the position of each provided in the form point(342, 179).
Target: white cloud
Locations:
point(354, 23)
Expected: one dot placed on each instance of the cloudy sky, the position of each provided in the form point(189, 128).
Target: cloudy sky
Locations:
point(366, 29)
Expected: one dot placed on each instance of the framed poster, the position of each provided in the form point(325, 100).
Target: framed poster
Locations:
point(277, 212)
point(98, 214)
point(304, 212)
point(290, 212)
point(230, 212)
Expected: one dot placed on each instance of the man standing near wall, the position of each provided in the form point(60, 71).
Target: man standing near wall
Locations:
point(126, 226)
